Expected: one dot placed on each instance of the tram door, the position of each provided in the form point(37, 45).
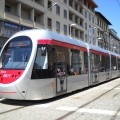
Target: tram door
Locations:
point(58, 57)
point(61, 78)
point(118, 67)
point(94, 68)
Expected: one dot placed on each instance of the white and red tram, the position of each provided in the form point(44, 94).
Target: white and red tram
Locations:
point(40, 64)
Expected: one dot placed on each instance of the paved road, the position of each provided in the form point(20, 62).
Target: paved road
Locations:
point(98, 103)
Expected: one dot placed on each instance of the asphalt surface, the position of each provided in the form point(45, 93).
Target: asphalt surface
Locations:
point(101, 102)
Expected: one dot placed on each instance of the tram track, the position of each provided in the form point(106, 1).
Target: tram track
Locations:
point(22, 104)
point(11, 110)
point(25, 104)
point(114, 116)
point(89, 102)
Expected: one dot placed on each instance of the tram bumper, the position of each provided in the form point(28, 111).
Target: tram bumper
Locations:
point(10, 92)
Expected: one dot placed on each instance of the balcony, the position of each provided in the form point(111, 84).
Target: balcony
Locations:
point(11, 17)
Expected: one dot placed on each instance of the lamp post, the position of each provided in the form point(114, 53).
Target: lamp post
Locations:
point(114, 49)
point(90, 34)
point(73, 24)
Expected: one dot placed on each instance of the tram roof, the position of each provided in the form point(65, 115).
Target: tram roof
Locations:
point(114, 54)
point(41, 34)
point(96, 48)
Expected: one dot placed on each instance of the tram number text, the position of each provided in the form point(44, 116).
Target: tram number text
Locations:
point(7, 75)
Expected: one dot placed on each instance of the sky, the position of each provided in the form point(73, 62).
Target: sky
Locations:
point(110, 9)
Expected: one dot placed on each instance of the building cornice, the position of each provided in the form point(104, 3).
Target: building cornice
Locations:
point(103, 17)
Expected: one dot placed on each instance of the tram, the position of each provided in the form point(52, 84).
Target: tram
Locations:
point(40, 64)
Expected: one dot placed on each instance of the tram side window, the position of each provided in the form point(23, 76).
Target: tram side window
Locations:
point(50, 62)
point(107, 65)
point(95, 62)
point(118, 64)
point(79, 63)
point(104, 64)
point(113, 63)
point(58, 60)
point(75, 67)
point(41, 59)
point(85, 63)
point(40, 68)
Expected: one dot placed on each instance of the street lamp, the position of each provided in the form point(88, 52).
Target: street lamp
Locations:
point(73, 24)
point(54, 4)
point(99, 38)
point(103, 36)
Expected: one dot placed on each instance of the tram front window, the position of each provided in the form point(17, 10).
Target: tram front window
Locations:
point(16, 53)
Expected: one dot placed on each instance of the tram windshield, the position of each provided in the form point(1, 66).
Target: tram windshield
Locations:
point(16, 53)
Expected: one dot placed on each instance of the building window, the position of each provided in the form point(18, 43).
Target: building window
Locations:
point(81, 22)
point(85, 3)
point(76, 60)
point(93, 31)
point(86, 26)
point(9, 29)
point(35, 18)
point(65, 29)
point(89, 6)
point(7, 8)
point(39, 2)
point(57, 10)
point(65, 14)
point(90, 17)
point(85, 14)
point(93, 20)
point(81, 10)
point(49, 5)
point(81, 35)
point(86, 38)
point(57, 26)
point(65, 1)
point(49, 23)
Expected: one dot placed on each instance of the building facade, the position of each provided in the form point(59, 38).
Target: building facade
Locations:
point(69, 17)
point(102, 30)
point(114, 41)
point(106, 38)
point(73, 18)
